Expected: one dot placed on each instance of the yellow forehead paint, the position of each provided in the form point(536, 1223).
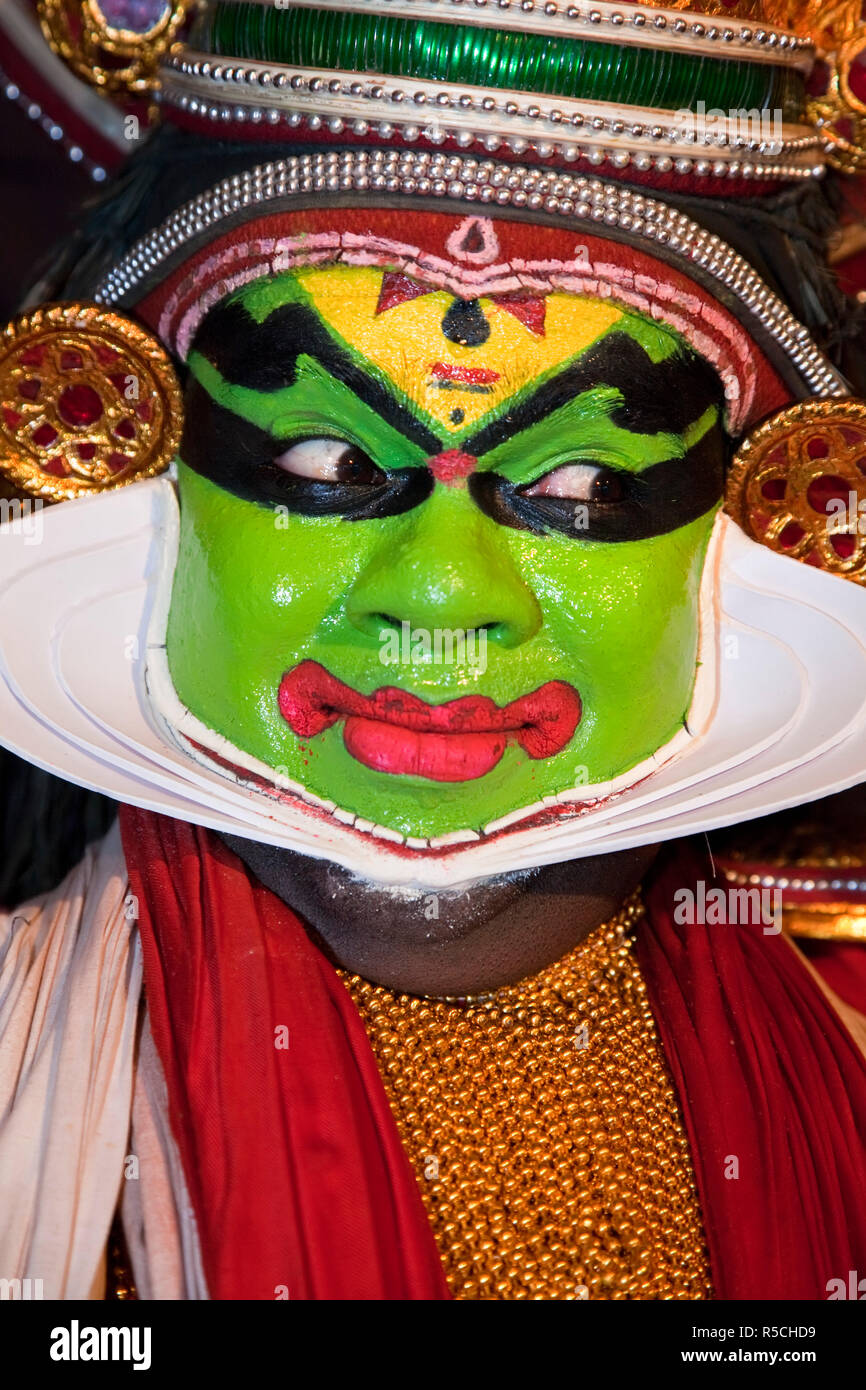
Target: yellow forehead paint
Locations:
point(454, 383)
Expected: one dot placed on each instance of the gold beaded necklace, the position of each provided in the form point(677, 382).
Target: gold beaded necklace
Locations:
point(544, 1131)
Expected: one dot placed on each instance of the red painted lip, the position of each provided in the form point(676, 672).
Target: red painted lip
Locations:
point(395, 731)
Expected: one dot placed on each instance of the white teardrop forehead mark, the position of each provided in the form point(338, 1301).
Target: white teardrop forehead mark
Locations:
point(474, 241)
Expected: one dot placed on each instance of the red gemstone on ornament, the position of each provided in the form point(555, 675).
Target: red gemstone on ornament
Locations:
point(844, 545)
point(11, 418)
point(116, 463)
point(817, 448)
point(144, 411)
point(86, 452)
point(58, 467)
point(32, 356)
point(774, 489)
point(125, 429)
point(791, 535)
point(819, 79)
point(29, 388)
point(852, 436)
point(106, 356)
point(71, 361)
point(80, 405)
point(44, 436)
point(826, 489)
point(857, 76)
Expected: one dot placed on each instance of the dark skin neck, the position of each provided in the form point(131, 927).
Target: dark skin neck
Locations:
point(496, 932)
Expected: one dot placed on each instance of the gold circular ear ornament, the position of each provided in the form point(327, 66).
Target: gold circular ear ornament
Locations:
point(89, 401)
point(798, 485)
point(113, 44)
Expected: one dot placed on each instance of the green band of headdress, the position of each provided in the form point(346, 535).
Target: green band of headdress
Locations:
point(631, 76)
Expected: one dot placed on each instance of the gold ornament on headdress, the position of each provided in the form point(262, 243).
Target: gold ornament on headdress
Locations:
point(741, 9)
point(89, 401)
point(798, 485)
point(115, 45)
point(839, 34)
point(818, 20)
point(841, 118)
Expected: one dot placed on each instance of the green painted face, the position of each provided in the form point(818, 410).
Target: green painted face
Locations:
point(387, 510)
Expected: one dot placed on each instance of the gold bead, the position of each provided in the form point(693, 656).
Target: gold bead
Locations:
point(557, 1170)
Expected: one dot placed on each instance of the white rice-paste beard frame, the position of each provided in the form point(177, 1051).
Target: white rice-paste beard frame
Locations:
point(776, 719)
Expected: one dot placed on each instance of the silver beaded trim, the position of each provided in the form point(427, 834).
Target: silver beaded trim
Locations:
point(596, 204)
point(270, 94)
point(603, 21)
point(801, 885)
point(33, 111)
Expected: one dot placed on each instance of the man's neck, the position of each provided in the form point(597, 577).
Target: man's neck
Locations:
point(451, 943)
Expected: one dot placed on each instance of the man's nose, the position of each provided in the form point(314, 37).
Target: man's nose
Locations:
point(450, 567)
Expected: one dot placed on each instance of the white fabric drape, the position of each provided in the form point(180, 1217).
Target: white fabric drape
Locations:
point(70, 984)
point(158, 1218)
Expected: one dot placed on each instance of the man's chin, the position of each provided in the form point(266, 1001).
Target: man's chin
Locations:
point(447, 943)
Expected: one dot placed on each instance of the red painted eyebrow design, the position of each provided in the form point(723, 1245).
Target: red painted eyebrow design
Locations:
point(528, 309)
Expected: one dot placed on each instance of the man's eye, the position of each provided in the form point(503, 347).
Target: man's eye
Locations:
point(579, 482)
point(329, 461)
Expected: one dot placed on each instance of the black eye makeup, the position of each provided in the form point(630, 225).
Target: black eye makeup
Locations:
point(595, 502)
point(325, 475)
point(312, 476)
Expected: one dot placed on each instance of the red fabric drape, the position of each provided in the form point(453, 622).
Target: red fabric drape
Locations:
point(768, 1075)
point(843, 965)
point(292, 1157)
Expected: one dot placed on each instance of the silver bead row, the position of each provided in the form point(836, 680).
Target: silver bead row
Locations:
point(801, 885)
point(55, 132)
point(544, 149)
point(596, 204)
point(220, 91)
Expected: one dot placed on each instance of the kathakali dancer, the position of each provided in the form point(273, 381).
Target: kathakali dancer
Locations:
point(453, 425)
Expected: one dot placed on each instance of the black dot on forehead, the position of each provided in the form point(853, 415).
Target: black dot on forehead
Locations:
point(465, 323)
point(457, 416)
